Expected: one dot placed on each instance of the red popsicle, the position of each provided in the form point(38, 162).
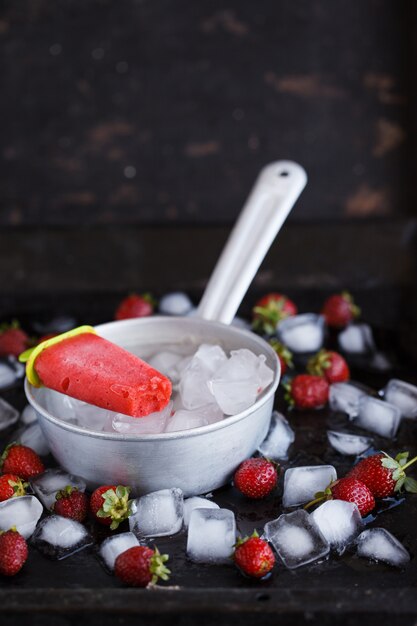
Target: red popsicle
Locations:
point(87, 367)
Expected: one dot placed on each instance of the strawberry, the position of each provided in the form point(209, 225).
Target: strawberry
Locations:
point(110, 505)
point(270, 310)
point(256, 478)
point(339, 310)
point(283, 354)
point(253, 556)
point(135, 306)
point(11, 486)
point(140, 566)
point(13, 340)
point(383, 475)
point(307, 392)
point(13, 552)
point(71, 503)
point(21, 460)
point(349, 490)
point(329, 364)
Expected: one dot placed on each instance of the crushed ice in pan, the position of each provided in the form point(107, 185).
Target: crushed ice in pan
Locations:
point(184, 420)
point(339, 522)
point(380, 545)
point(348, 444)
point(28, 415)
point(8, 414)
point(345, 397)
point(193, 385)
point(59, 537)
point(115, 545)
point(175, 303)
point(152, 424)
point(302, 333)
point(356, 339)
point(378, 417)
point(23, 512)
point(403, 395)
point(196, 502)
point(167, 363)
point(296, 539)
point(302, 483)
point(211, 535)
point(157, 514)
point(278, 440)
point(47, 485)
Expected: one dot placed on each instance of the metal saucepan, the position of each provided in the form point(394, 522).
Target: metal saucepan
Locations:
point(201, 459)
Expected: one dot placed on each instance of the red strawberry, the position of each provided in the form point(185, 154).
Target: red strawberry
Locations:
point(270, 310)
point(11, 486)
point(140, 566)
point(21, 460)
point(256, 478)
point(253, 556)
point(110, 505)
point(340, 309)
point(353, 490)
point(307, 392)
point(13, 340)
point(71, 503)
point(135, 306)
point(284, 355)
point(13, 552)
point(384, 475)
point(329, 364)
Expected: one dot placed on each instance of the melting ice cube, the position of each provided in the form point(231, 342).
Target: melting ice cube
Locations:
point(8, 414)
point(115, 545)
point(211, 535)
point(28, 415)
point(194, 378)
point(47, 485)
point(378, 416)
point(59, 537)
point(356, 339)
point(345, 443)
point(279, 438)
point(32, 437)
point(302, 483)
point(196, 503)
point(8, 375)
point(345, 397)
point(184, 420)
point(302, 333)
point(175, 303)
point(158, 513)
point(339, 522)
point(296, 539)
point(378, 544)
point(167, 363)
point(403, 395)
point(22, 512)
point(150, 424)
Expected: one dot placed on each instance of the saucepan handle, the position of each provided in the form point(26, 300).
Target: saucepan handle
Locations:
point(274, 194)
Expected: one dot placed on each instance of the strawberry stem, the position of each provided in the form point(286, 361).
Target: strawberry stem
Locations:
point(409, 463)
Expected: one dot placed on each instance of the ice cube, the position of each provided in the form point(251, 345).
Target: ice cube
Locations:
point(345, 397)
point(166, 362)
point(302, 333)
point(8, 375)
point(18, 368)
point(196, 503)
point(403, 395)
point(28, 415)
point(59, 537)
point(378, 416)
point(279, 438)
point(32, 437)
point(115, 545)
point(378, 544)
point(47, 485)
point(184, 420)
point(22, 512)
point(158, 513)
point(193, 385)
point(61, 406)
point(8, 414)
point(211, 535)
point(339, 522)
point(151, 424)
point(302, 483)
point(356, 339)
point(346, 443)
point(89, 416)
point(296, 539)
point(238, 381)
point(175, 303)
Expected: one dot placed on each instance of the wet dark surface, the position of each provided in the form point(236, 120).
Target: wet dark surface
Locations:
point(339, 584)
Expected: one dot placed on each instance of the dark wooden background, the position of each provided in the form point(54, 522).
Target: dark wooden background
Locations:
point(163, 111)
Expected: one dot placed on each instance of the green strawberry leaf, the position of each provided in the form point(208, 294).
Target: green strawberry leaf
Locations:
point(389, 463)
point(410, 485)
point(399, 484)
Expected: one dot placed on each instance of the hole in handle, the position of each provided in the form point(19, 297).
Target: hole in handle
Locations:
point(284, 173)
